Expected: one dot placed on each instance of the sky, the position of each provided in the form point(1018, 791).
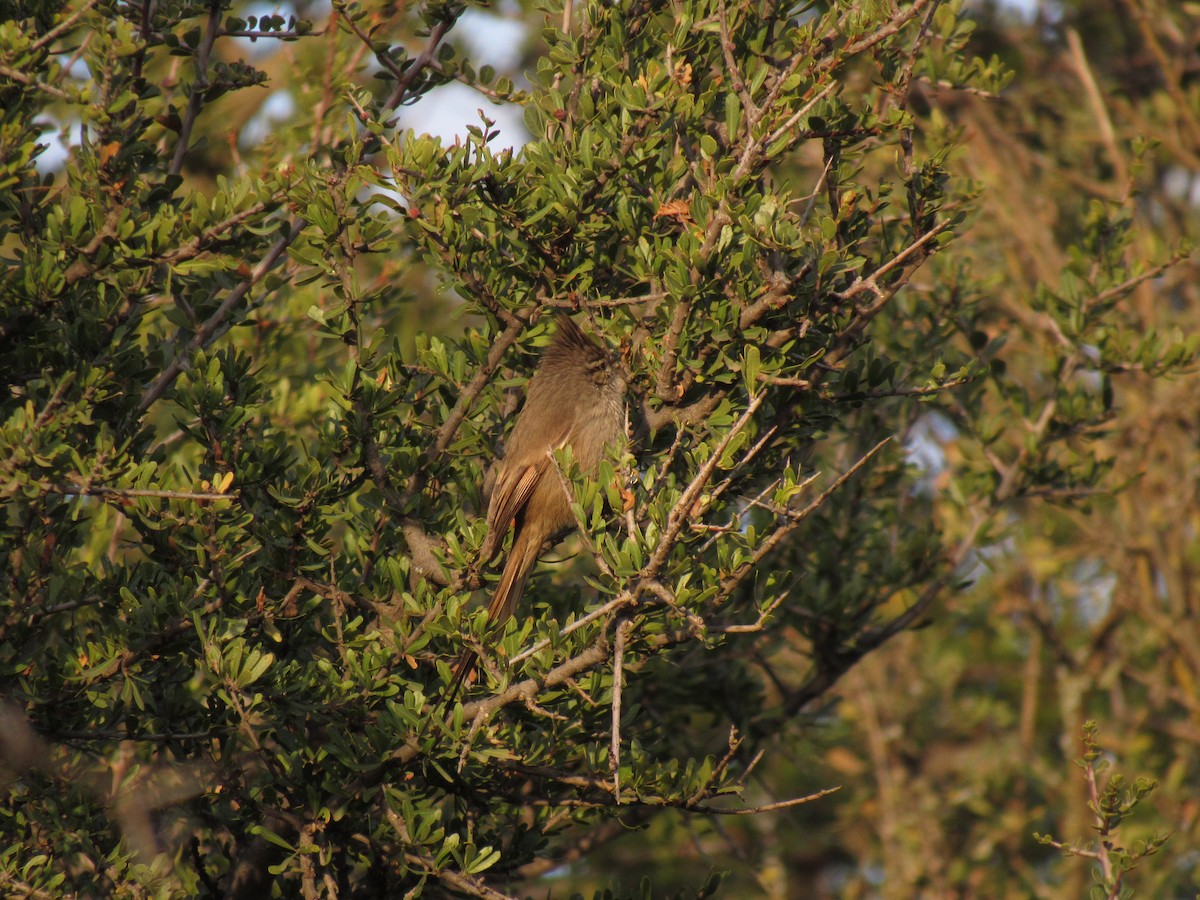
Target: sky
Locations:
point(491, 38)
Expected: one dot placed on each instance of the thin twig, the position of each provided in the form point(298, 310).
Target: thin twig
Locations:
point(793, 521)
point(663, 593)
point(100, 490)
point(799, 114)
point(614, 757)
point(766, 807)
point(63, 26)
point(581, 524)
point(681, 512)
point(1101, 827)
point(210, 328)
point(755, 626)
point(198, 88)
point(414, 68)
point(621, 600)
point(30, 81)
point(871, 282)
point(478, 382)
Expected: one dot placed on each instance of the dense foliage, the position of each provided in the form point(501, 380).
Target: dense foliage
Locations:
point(897, 340)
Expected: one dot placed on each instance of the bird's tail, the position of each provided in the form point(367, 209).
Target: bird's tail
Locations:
point(512, 583)
point(463, 669)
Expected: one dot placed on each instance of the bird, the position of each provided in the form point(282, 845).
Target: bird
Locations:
point(576, 399)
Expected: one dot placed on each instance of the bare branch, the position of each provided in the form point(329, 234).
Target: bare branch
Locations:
point(614, 758)
point(100, 490)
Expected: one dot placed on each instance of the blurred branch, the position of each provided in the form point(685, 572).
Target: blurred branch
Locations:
point(131, 794)
point(1099, 110)
point(586, 841)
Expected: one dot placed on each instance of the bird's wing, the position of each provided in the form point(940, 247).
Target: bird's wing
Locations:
point(512, 493)
point(513, 489)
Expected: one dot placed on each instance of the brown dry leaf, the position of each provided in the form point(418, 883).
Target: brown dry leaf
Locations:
point(108, 151)
point(679, 209)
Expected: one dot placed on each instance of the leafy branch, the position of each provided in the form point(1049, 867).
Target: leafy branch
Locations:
point(1111, 801)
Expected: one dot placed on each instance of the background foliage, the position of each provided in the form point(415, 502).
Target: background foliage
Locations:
point(905, 294)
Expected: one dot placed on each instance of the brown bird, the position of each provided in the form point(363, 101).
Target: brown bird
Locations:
point(575, 399)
